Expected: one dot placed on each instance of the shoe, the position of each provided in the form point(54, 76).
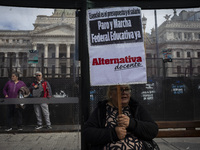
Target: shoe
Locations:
point(49, 127)
point(38, 127)
point(8, 129)
point(19, 128)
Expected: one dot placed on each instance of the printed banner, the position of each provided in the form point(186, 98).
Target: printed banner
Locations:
point(116, 48)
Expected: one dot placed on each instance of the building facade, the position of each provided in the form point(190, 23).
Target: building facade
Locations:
point(54, 38)
point(181, 36)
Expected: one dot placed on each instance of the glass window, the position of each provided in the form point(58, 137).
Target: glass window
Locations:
point(198, 68)
point(148, 55)
point(30, 38)
point(53, 55)
point(178, 69)
point(177, 54)
point(188, 54)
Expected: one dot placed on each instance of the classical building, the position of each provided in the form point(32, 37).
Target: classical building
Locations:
point(181, 36)
point(54, 39)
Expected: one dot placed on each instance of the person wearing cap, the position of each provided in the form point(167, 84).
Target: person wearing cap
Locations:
point(41, 88)
point(11, 90)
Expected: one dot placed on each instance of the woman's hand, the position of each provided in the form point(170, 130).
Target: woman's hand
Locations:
point(123, 121)
point(6, 96)
point(121, 132)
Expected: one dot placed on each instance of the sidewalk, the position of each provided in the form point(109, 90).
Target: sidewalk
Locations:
point(61, 138)
point(191, 143)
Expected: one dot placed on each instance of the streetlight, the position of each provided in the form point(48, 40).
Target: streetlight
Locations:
point(144, 22)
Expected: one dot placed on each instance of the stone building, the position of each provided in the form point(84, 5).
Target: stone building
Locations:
point(180, 35)
point(54, 38)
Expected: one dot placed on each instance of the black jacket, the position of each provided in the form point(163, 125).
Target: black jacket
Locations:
point(96, 135)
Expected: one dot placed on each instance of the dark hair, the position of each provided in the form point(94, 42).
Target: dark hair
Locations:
point(16, 74)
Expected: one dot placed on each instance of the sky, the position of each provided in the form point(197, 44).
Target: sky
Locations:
point(19, 18)
point(149, 14)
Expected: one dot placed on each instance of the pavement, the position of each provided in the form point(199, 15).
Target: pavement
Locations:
point(191, 143)
point(64, 137)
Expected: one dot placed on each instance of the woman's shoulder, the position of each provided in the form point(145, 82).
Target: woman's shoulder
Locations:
point(9, 82)
point(133, 102)
point(21, 82)
point(102, 103)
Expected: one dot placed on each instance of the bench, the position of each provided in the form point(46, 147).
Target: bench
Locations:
point(178, 129)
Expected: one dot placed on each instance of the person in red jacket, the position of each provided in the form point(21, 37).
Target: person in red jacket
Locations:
point(41, 88)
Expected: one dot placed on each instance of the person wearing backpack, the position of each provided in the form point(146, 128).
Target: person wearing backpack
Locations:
point(41, 88)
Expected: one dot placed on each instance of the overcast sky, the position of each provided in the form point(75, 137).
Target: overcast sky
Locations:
point(19, 18)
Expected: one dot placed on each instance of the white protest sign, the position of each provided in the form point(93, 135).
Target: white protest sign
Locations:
point(116, 48)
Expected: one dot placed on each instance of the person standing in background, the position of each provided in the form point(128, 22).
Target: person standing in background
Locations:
point(11, 90)
point(41, 88)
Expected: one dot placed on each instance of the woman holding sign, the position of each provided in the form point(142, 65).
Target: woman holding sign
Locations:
point(106, 129)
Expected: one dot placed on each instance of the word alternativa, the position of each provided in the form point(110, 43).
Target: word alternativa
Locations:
point(127, 59)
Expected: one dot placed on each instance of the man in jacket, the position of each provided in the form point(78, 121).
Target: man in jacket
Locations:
point(41, 88)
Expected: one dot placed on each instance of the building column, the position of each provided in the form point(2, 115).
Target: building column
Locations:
point(34, 46)
point(5, 64)
point(57, 59)
point(68, 60)
point(33, 65)
point(184, 53)
point(182, 36)
point(17, 59)
point(45, 58)
point(46, 55)
point(195, 53)
point(17, 62)
point(173, 54)
point(193, 36)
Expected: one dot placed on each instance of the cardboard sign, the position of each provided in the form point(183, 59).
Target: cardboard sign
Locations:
point(116, 48)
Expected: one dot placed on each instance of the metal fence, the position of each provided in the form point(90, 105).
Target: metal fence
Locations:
point(63, 110)
point(172, 91)
point(66, 67)
point(50, 67)
point(189, 67)
point(63, 76)
point(169, 99)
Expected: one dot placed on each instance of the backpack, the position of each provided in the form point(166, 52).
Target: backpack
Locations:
point(39, 91)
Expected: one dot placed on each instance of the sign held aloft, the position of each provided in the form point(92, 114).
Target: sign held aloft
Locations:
point(116, 48)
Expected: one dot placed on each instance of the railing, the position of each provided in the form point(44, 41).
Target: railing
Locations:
point(50, 67)
point(66, 67)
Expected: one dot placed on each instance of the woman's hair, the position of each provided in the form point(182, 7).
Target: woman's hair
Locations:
point(109, 91)
point(16, 74)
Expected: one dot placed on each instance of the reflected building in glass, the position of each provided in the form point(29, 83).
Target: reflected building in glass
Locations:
point(54, 38)
point(181, 35)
